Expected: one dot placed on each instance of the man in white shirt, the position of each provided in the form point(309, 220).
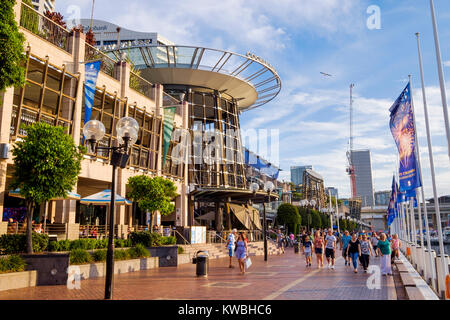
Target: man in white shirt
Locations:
point(231, 242)
point(330, 248)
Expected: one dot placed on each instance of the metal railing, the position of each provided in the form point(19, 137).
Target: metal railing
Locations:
point(107, 63)
point(141, 85)
point(94, 231)
point(43, 27)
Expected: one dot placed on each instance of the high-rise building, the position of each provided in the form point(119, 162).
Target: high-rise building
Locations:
point(333, 191)
point(363, 174)
point(297, 173)
point(43, 5)
point(382, 198)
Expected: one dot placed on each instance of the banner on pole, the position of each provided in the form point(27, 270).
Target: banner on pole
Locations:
point(169, 115)
point(403, 131)
point(91, 75)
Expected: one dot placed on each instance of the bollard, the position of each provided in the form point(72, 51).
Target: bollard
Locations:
point(201, 260)
point(430, 269)
point(447, 287)
point(419, 259)
point(441, 273)
point(413, 255)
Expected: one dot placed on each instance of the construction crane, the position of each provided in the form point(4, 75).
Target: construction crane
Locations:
point(351, 169)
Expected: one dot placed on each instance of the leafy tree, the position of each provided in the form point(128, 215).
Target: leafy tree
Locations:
point(12, 57)
point(287, 214)
point(46, 166)
point(342, 224)
point(304, 215)
point(152, 194)
point(316, 222)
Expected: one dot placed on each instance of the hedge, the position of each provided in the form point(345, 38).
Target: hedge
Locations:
point(17, 243)
point(79, 256)
point(13, 263)
point(146, 238)
point(138, 252)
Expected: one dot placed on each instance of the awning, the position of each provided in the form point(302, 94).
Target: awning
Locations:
point(103, 198)
point(70, 195)
point(210, 216)
point(249, 218)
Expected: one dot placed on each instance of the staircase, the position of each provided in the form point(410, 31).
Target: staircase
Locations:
point(219, 250)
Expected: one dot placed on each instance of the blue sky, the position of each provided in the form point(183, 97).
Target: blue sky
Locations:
point(301, 38)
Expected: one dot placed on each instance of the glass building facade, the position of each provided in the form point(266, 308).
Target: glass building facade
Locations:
point(363, 174)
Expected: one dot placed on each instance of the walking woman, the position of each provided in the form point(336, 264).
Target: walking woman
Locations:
point(384, 250)
point(354, 250)
point(318, 248)
point(366, 252)
point(396, 244)
point(241, 251)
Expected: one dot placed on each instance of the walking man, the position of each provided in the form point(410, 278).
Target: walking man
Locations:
point(345, 240)
point(330, 248)
point(231, 243)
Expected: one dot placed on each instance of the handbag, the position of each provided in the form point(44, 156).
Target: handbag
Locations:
point(248, 263)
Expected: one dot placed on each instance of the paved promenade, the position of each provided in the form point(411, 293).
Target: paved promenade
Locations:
point(283, 277)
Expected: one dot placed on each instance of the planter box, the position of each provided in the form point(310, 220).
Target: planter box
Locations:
point(17, 280)
point(51, 268)
point(168, 255)
point(95, 270)
point(184, 258)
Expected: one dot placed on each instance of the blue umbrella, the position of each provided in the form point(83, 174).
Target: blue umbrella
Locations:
point(103, 198)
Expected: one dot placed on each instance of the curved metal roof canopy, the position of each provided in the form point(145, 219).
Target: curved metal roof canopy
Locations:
point(249, 79)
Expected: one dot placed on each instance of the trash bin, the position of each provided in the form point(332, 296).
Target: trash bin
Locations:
point(201, 260)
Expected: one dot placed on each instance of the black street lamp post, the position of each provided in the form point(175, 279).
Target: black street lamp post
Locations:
point(127, 132)
point(268, 187)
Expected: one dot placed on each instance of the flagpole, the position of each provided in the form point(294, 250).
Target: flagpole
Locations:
point(337, 216)
point(441, 75)
point(433, 175)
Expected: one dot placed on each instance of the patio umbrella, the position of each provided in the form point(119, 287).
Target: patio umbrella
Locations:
point(104, 198)
point(70, 195)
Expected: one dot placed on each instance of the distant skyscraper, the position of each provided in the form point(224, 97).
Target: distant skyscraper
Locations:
point(333, 191)
point(382, 198)
point(43, 5)
point(297, 174)
point(363, 172)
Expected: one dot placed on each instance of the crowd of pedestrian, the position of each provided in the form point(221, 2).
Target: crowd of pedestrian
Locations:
point(357, 248)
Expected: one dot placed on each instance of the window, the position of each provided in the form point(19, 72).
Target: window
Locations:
point(49, 96)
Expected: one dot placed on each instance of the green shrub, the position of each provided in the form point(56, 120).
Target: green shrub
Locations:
point(138, 252)
point(53, 246)
point(180, 250)
point(119, 243)
point(146, 238)
point(99, 255)
point(101, 244)
point(79, 256)
point(13, 263)
point(17, 243)
point(168, 240)
point(121, 254)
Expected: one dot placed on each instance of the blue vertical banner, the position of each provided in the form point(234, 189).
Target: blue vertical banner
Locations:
point(91, 73)
point(392, 208)
point(403, 131)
